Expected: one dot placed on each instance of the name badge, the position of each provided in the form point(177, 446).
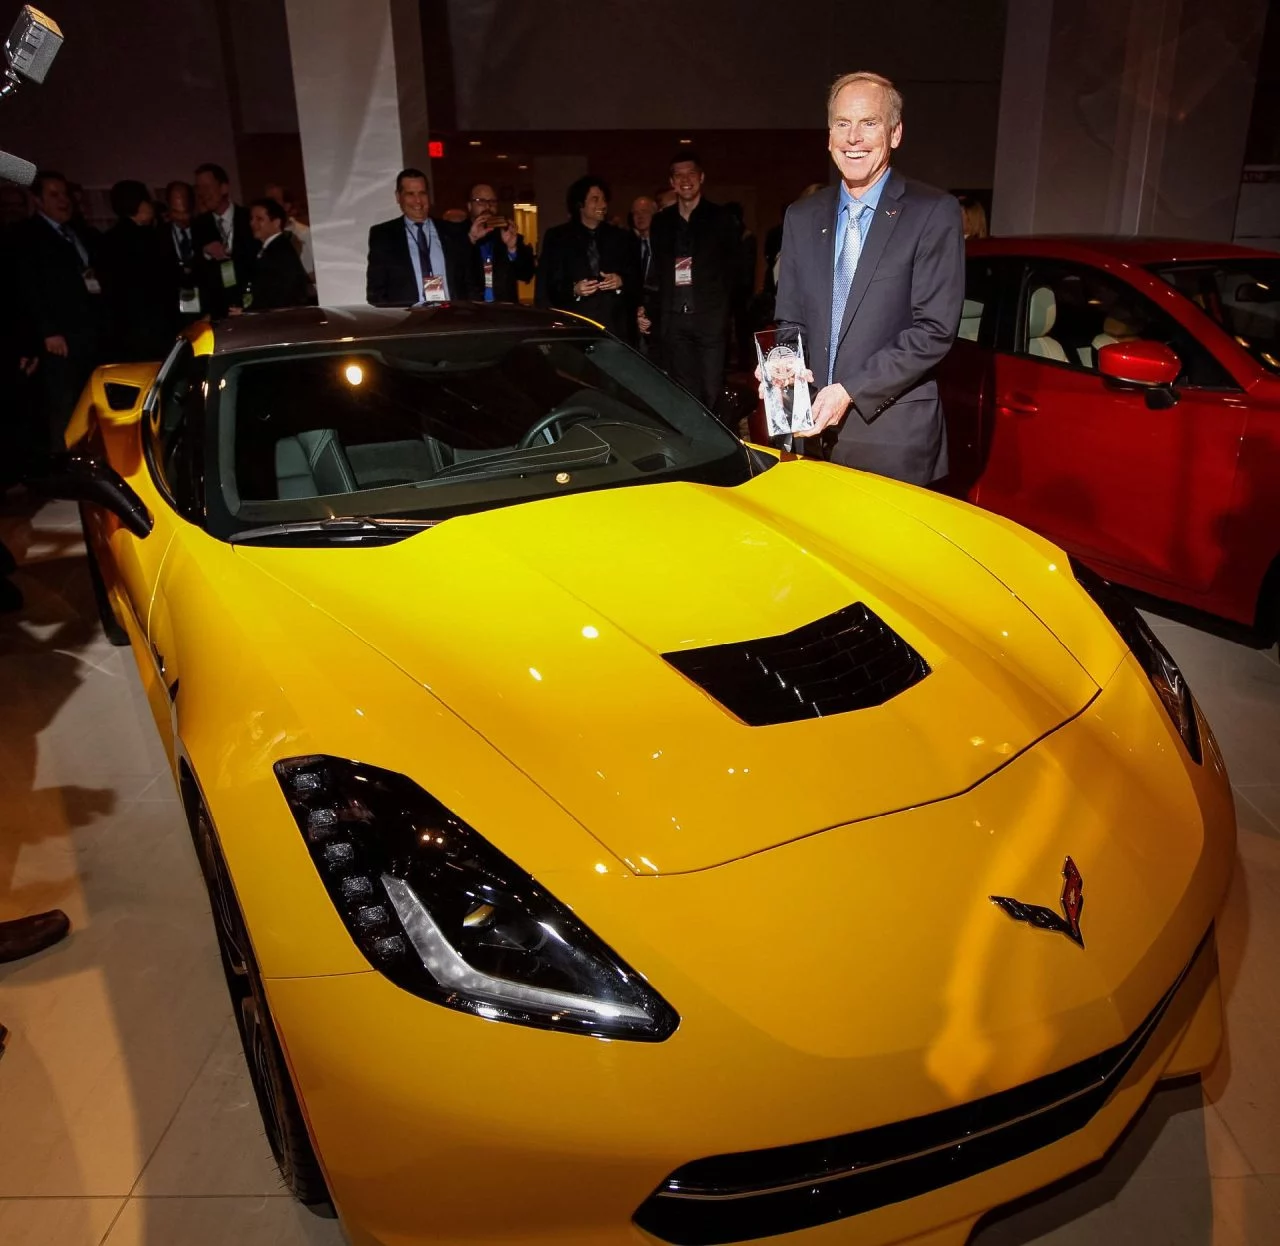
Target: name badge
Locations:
point(433, 290)
point(228, 270)
point(189, 302)
point(91, 282)
point(684, 271)
point(488, 274)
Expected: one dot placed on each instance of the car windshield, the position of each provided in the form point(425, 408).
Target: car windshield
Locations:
point(1243, 296)
point(441, 424)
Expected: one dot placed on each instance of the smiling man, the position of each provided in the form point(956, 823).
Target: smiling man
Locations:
point(872, 276)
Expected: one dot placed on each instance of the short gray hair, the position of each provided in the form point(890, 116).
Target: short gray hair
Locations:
point(893, 97)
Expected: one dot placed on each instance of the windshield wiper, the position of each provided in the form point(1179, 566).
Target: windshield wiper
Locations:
point(341, 530)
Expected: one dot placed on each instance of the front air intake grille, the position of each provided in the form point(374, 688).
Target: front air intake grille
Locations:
point(850, 660)
point(754, 1194)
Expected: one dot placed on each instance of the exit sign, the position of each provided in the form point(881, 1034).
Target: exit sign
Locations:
point(435, 149)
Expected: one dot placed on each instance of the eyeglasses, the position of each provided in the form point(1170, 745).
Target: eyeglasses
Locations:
point(492, 202)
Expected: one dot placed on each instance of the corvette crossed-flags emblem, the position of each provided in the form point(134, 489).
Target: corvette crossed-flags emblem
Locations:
point(1046, 919)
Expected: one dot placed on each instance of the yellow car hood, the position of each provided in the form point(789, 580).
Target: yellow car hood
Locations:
point(542, 626)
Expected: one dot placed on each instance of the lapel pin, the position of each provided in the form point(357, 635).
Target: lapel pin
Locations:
point(891, 211)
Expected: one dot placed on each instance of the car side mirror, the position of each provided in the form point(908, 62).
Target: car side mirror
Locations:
point(1150, 366)
point(1139, 362)
point(81, 479)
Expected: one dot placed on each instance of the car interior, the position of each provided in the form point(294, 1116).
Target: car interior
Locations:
point(320, 424)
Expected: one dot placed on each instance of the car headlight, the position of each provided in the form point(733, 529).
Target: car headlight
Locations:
point(1152, 656)
point(442, 913)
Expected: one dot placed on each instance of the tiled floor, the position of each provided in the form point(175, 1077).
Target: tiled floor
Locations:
point(126, 1116)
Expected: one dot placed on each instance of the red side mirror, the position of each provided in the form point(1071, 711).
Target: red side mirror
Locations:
point(1139, 363)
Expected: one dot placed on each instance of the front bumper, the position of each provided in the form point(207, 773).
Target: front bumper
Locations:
point(439, 1127)
point(449, 1151)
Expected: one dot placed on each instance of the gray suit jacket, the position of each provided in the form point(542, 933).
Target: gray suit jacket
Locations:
point(899, 321)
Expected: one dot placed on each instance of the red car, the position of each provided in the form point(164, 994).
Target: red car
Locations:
point(1122, 397)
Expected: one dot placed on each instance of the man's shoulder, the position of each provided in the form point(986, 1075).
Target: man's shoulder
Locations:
point(920, 191)
point(811, 207)
point(452, 230)
point(34, 230)
point(385, 229)
point(664, 219)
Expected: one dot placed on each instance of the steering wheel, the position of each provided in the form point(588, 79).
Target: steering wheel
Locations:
point(559, 419)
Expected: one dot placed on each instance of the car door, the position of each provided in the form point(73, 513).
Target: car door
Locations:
point(1101, 468)
point(966, 377)
point(149, 445)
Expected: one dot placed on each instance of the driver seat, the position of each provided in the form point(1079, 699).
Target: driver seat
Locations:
point(312, 464)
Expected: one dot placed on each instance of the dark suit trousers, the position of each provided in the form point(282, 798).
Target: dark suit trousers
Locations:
point(60, 381)
point(693, 352)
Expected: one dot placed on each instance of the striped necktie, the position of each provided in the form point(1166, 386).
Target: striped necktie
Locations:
point(846, 266)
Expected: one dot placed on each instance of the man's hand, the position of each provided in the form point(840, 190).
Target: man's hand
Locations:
point(643, 321)
point(610, 281)
point(216, 251)
point(585, 287)
point(510, 238)
point(56, 345)
point(829, 408)
point(479, 227)
point(28, 364)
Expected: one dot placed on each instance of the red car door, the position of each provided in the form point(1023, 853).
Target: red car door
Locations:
point(1101, 468)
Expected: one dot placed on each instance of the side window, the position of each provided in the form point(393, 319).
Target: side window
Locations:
point(1069, 312)
point(977, 316)
point(175, 424)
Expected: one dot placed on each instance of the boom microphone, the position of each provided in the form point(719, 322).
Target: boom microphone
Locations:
point(15, 169)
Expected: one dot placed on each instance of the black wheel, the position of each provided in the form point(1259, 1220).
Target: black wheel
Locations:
point(277, 1101)
point(107, 616)
point(1268, 623)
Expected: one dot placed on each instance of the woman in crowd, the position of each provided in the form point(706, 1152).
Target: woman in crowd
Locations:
point(973, 216)
point(588, 266)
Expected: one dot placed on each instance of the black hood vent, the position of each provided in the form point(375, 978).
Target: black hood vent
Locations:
point(851, 660)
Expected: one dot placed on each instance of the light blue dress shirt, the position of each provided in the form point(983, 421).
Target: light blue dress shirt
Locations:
point(435, 249)
point(870, 199)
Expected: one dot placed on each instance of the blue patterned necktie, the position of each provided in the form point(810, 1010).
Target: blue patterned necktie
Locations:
point(846, 266)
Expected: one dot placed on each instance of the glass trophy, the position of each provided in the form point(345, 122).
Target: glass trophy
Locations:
point(787, 406)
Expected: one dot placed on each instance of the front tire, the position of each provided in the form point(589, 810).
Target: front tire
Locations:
point(278, 1104)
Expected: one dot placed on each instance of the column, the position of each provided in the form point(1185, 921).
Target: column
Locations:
point(362, 116)
point(1125, 118)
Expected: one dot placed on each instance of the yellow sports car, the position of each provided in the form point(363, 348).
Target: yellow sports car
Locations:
point(616, 833)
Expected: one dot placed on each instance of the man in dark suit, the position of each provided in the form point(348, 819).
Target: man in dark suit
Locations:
point(224, 242)
point(500, 257)
point(142, 316)
point(278, 278)
point(414, 258)
point(872, 275)
point(587, 265)
point(61, 297)
point(696, 257)
point(184, 262)
point(648, 314)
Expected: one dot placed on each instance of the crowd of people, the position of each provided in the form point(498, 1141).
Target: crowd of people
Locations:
point(81, 297)
point(675, 277)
